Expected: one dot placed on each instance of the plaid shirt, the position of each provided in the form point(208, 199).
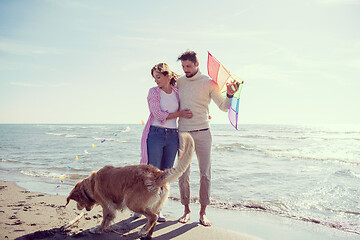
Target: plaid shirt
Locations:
point(153, 99)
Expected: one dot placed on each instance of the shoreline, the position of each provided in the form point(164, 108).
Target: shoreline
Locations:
point(32, 215)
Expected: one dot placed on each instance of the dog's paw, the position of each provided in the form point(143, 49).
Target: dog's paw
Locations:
point(95, 230)
point(146, 238)
point(109, 229)
point(143, 233)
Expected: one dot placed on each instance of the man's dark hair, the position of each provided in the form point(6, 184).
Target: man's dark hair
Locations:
point(189, 55)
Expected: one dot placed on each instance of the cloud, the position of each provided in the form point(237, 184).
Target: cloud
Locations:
point(336, 2)
point(69, 4)
point(36, 85)
point(20, 48)
point(40, 52)
point(22, 84)
point(60, 84)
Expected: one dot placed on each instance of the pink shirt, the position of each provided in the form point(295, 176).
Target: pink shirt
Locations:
point(155, 113)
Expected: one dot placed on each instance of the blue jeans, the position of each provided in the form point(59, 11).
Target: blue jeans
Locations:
point(162, 146)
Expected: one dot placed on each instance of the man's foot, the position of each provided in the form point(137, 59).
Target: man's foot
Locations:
point(161, 218)
point(136, 215)
point(185, 218)
point(204, 221)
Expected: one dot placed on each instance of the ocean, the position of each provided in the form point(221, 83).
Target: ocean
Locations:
point(306, 173)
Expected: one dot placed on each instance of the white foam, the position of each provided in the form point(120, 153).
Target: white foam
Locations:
point(40, 174)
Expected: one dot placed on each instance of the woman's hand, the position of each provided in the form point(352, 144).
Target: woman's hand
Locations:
point(186, 113)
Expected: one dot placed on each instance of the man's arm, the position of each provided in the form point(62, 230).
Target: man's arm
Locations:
point(219, 100)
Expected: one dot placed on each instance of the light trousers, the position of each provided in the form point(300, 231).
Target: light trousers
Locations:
point(203, 142)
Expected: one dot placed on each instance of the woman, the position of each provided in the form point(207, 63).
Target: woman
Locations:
point(160, 140)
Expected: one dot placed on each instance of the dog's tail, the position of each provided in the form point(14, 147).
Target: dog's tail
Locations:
point(186, 150)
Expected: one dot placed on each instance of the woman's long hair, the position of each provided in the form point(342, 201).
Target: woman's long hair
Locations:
point(164, 69)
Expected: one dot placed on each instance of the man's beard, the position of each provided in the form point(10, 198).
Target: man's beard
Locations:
point(191, 75)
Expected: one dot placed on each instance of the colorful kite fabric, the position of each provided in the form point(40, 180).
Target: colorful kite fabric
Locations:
point(219, 74)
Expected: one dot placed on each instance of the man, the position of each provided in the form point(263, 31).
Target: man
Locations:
point(196, 91)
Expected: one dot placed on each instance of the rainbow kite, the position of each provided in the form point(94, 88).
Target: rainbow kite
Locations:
point(219, 74)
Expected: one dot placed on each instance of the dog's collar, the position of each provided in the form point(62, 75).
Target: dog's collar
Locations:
point(88, 197)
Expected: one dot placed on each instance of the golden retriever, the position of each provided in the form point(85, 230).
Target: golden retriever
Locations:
point(141, 188)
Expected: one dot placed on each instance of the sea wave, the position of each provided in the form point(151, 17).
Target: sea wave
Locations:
point(289, 153)
point(314, 158)
point(74, 136)
point(53, 175)
point(9, 160)
point(77, 176)
point(71, 169)
point(281, 209)
point(102, 140)
point(347, 173)
point(264, 155)
point(234, 147)
point(301, 137)
point(55, 134)
point(127, 129)
point(46, 174)
point(66, 135)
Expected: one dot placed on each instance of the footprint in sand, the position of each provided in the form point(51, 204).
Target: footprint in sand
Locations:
point(17, 222)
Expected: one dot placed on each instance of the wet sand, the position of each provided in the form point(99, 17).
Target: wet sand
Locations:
point(29, 215)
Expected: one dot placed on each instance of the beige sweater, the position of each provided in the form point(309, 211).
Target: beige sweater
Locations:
point(195, 94)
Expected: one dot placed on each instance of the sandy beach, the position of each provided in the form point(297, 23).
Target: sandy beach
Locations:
point(29, 215)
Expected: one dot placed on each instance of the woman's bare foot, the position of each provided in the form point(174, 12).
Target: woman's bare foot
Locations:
point(204, 221)
point(185, 218)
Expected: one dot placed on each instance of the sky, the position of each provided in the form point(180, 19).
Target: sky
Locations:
point(72, 61)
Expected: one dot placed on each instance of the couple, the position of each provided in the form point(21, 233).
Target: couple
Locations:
point(187, 98)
